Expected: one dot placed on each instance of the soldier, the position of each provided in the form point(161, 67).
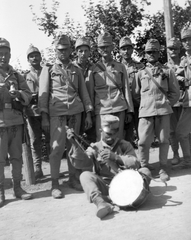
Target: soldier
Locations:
point(14, 93)
point(173, 50)
point(63, 96)
point(32, 111)
point(184, 76)
point(109, 87)
point(82, 47)
point(156, 90)
point(107, 154)
point(132, 67)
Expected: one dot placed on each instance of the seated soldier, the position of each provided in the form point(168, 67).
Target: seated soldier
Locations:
point(101, 162)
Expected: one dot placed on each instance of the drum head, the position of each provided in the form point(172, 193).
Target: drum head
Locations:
point(126, 187)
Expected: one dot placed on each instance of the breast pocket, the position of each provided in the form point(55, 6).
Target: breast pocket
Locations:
point(99, 78)
point(58, 80)
point(145, 86)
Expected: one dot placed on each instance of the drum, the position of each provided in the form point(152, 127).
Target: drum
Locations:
point(128, 188)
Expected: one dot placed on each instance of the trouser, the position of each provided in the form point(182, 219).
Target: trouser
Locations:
point(36, 133)
point(183, 130)
point(174, 119)
point(148, 127)
point(132, 127)
point(93, 185)
point(58, 142)
point(120, 115)
point(11, 143)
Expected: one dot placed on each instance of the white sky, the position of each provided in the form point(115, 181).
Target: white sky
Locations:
point(17, 27)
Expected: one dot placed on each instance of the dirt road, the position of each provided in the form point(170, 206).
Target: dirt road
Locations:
point(165, 217)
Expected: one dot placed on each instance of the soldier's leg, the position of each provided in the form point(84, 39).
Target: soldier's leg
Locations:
point(75, 123)
point(3, 155)
point(35, 132)
point(57, 144)
point(15, 134)
point(121, 116)
point(182, 131)
point(162, 131)
point(97, 192)
point(146, 135)
point(98, 127)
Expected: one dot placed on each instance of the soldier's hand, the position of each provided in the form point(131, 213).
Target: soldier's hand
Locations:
point(69, 132)
point(88, 121)
point(15, 94)
point(128, 117)
point(107, 154)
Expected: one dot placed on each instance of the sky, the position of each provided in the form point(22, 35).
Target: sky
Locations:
point(17, 27)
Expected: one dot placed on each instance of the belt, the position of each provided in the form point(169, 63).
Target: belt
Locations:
point(8, 105)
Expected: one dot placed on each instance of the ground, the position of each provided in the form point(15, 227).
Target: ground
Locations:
point(165, 215)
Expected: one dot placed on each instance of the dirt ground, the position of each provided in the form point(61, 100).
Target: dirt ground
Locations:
point(164, 217)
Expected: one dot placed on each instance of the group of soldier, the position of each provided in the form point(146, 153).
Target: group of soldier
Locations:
point(108, 100)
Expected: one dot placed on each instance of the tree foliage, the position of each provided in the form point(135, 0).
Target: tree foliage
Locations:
point(129, 18)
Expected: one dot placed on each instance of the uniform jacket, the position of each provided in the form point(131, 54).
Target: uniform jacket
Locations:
point(10, 116)
point(32, 79)
point(124, 150)
point(184, 73)
point(174, 67)
point(152, 101)
point(105, 95)
point(132, 68)
point(86, 72)
point(56, 94)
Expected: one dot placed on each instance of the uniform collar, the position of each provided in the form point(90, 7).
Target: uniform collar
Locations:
point(62, 65)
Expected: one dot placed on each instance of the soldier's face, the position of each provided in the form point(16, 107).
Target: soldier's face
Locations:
point(126, 52)
point(83, 53)
point(152, 56)
point(109, 135)
point(186, 42)
point(105, 51)
point(5, 56)
point(63, 54)
point(34, 59)
point(173, 52)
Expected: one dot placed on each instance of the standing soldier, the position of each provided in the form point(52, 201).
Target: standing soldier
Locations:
point(156, 90)
point(132, 67)
point(173, 50)
point(32, 111)
point(109, 87)
point(63, 96)
point(82, 47)
point(14, 93)
point(184, 126)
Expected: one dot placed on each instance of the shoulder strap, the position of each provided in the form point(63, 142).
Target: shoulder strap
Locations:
point(155, 82)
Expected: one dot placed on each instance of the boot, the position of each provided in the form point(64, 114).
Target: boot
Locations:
point(56, 192)
point(103, 208)
point(184, 164)
point(38, 173)
point(19, 192)
point(74, 183)
point(163, 175)
point(176, 159)
point(2, 195)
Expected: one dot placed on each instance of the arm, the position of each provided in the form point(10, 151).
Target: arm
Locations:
point(173, 91)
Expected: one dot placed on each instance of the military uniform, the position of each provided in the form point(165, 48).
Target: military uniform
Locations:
point(33, 115)
point(86, 69)
point(155, 107)
point(11, 123)
point(109, 89)
point(94, 183)
point(63, 96)
point(184, 127)
point(132, 68)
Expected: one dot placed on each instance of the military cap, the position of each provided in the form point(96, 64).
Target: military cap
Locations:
point(32, 49)
point(82, 41)
point(4, 43)
point(109, 122)
point(152, 45)
point(125, 41)
point(62, 41)
point(104, 39)
point(185, 33)
point(173, 42)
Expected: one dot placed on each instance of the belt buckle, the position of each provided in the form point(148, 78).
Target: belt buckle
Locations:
point(8, 105)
